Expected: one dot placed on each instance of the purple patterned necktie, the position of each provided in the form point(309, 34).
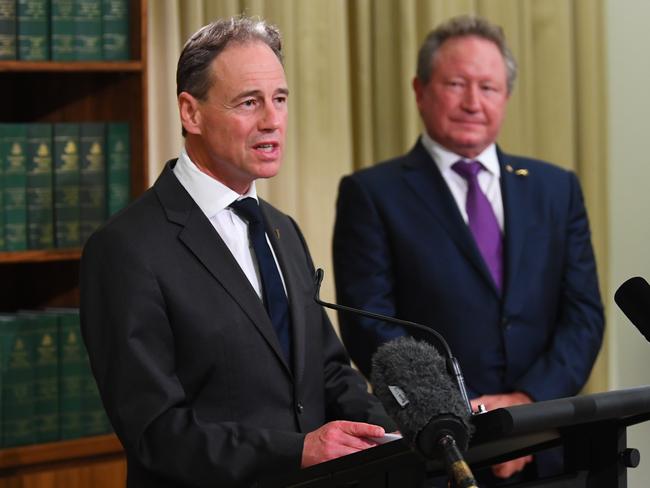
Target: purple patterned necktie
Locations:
point(481, 220)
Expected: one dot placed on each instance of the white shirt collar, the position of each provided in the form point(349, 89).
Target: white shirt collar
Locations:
point(210, 194)
point(444, 158)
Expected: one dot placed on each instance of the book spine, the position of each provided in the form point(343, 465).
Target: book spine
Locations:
point(66, 185)
point(118, 166)
point(88, 30)
point(33, 30)
point(16, 341)
point(72, 375)
point(46, 383)
point(92, 196)
point(40, 215)
point(94, 420)
point(13, 158)
point(2, 213)
point(63, 30)
point(115, 30)
point(7, 29)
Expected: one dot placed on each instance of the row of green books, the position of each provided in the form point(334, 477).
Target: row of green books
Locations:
point(64, 30)
point(47, 390)
point(59, 182)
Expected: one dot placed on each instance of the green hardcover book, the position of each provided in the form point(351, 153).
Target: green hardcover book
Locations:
point(88, 30)
point(40, 207)
point(118, 166)
point(33, 30)
point(7, 29)
point(17, 370)
point(13, 158)
point(92, 193)
point(115, 30)
point(63, 30)
point(66, 185)
point(2, 213)
point(73, 372)
point(94, 420)
point(43, 326)
point(2, 197)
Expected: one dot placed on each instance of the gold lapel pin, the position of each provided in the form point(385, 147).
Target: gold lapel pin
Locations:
point(521, 172)
point(277, 233)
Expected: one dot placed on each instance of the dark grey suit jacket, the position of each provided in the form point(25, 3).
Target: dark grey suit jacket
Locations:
point(186, 359)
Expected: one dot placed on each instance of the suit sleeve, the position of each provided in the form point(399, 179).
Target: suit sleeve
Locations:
point(128, 336)
point(565, 366)
point(346, 395)
point(363, 271)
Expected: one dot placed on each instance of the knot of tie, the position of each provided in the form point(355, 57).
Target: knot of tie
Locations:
point(467, 169)
point(249, 209)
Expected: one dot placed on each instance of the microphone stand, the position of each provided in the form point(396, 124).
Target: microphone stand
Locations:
point(453, 368)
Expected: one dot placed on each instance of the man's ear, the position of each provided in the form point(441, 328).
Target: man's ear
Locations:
point(189, 109)
point(417, 88)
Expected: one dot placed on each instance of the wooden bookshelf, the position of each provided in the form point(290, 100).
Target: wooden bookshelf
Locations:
point(52, 91)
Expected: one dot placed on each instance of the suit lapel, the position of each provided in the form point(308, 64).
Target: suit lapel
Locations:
point(423, 176)
point(200, 237)
point(515, 208)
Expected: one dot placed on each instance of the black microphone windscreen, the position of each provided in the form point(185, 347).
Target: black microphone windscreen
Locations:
point(410, 379)
point(633, 298)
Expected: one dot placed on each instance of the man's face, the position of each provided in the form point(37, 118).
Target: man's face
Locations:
point(464, 103)
point(241, 125)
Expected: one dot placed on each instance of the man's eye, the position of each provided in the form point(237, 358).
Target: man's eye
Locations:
point(249, 103)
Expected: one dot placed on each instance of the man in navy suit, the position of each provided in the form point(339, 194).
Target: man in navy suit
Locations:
point(491, 250)
point(215, 365)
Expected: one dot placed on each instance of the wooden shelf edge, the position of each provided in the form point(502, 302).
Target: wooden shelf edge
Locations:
point(71, 66)
point(40, 256)
point(62, 451)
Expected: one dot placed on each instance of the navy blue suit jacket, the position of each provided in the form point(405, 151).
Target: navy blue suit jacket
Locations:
point(402, 248)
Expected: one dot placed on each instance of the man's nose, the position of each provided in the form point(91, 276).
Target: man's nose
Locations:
point(471, 97)
point(271, 118)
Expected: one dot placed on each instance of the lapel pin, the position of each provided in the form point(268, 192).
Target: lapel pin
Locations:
point(521, 172)
point(508, 168)
point(277, 233)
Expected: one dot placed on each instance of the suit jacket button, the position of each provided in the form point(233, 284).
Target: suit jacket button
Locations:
point(299, 408)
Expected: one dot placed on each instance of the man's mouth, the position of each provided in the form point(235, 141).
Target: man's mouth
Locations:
point(266, 146)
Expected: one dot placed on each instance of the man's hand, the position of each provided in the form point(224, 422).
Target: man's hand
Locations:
point(491, 402)
point(501, 400)
point(336, 439)
point(507, 469)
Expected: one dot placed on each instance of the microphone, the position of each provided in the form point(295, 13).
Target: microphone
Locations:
point(633, 298)
point(410, 380)
point(453, 368)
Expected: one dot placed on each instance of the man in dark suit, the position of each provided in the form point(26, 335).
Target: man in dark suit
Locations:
point(491, 250)
point(214, 363)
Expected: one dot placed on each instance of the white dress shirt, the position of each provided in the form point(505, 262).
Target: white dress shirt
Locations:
point(488, 179)
point(214, 199)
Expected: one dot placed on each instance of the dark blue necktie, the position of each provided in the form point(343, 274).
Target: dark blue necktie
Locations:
point(482, 221)
point(275, 299)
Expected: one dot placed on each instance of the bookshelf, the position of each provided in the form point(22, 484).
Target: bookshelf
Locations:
point(51, 91)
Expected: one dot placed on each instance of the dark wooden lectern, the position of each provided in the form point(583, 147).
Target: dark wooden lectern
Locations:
point(592, 429)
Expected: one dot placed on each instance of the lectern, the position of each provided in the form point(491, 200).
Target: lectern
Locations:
point(591, 428)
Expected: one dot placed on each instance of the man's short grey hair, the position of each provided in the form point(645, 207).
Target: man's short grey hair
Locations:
point(464, 26)
point(193, 74)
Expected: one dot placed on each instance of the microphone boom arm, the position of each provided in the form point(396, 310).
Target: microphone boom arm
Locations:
point(453, 367)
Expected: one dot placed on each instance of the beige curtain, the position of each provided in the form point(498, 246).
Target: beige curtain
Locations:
point(349, 66)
